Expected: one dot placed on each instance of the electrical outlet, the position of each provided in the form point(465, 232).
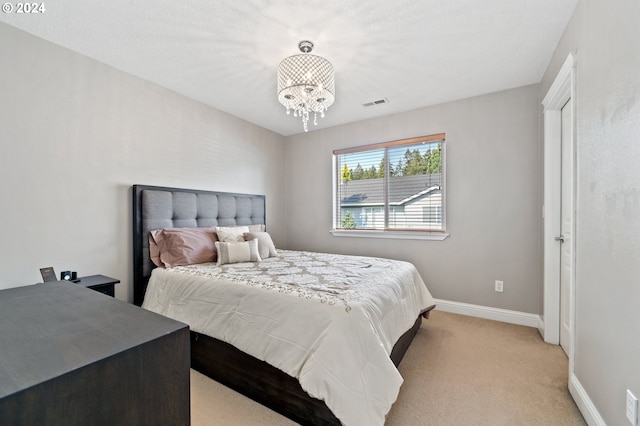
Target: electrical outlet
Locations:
point(632, 408)
point(499, 286)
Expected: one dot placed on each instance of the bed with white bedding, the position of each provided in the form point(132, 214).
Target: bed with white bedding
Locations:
point(337, 325)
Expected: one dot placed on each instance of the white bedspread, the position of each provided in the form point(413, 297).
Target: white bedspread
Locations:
point(329, 320)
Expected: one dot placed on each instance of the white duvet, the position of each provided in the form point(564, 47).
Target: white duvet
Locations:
point(329, 320)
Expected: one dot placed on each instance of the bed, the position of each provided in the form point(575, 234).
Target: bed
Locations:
point(236, 358)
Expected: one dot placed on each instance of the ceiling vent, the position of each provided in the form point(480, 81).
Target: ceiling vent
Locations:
point(377, 102)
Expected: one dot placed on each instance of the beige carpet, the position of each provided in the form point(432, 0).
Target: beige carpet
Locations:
point(459, 370)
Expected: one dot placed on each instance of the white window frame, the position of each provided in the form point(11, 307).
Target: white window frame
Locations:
point(390, 233)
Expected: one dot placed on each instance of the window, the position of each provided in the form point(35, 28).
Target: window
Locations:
point(391, 186)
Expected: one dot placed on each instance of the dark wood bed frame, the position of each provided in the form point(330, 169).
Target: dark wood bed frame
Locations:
point(244, 373)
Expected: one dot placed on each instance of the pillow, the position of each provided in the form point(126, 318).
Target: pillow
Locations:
point(260, 227)
point(234, 233)
point(182, 246)
point(231, 233)
point(236, 252)
point(266, 248)
point(154, 250)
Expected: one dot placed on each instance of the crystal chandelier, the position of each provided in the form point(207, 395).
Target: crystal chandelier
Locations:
point(306, 83)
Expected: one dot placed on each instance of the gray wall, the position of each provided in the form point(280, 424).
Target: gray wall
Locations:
point(606, 36)
point(493, 197)
point(75, 134)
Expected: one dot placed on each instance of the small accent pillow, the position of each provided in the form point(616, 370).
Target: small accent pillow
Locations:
point(237, 252)
point(266, 248)
point(231, 233)
point(182, 246)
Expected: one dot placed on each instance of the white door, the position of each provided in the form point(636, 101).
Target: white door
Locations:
point(558, 210)
point(566, 228)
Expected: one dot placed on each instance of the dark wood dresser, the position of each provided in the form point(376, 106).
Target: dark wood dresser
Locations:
point(70, 355)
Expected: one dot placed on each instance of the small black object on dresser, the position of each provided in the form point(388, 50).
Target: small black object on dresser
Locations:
point(99, 283)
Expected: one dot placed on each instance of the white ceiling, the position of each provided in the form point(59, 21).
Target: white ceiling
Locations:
point(225, 53)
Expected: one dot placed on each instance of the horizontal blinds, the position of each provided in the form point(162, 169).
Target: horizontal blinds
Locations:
point(391, 186)
point(361, 189)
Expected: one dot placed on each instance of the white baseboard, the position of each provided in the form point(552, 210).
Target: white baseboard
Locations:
point(541, 326)
point(586, 407)
point(487, 312)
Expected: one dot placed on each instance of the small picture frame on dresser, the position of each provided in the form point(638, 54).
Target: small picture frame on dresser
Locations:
point(48, 274)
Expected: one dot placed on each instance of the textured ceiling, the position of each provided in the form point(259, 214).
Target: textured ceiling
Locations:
point(225, 53)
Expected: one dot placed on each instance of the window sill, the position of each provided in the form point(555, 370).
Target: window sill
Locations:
point(400, 235)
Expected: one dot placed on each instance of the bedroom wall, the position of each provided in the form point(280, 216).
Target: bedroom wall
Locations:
point(493, 192)
point(75, 134)
point(605, 36)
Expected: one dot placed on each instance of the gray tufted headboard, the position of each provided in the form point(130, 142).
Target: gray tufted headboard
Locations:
point(161, 207)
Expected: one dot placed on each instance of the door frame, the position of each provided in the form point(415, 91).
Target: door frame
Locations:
point(562, 89)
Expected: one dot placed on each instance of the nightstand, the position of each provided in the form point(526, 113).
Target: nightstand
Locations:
point(99, 283)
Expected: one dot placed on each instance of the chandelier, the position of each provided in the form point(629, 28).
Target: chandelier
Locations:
point(306, 84)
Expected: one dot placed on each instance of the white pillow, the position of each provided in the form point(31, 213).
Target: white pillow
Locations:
point(259, 227)
point(236, 252)
point(231, 233)
point(266, 248)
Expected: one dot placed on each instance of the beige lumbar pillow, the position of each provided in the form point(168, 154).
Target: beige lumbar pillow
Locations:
point(237, 252)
